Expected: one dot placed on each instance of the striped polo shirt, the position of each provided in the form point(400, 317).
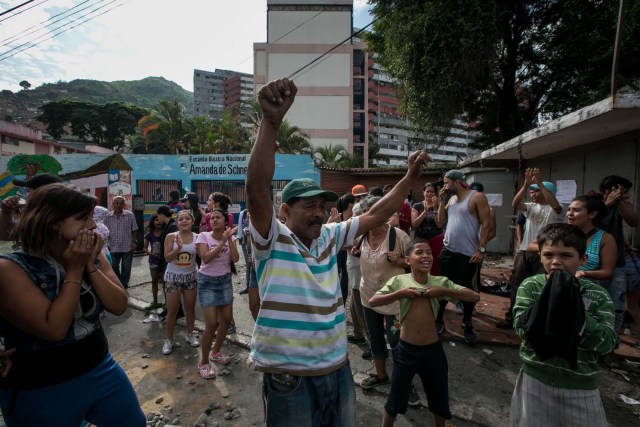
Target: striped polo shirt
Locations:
point(301, 327)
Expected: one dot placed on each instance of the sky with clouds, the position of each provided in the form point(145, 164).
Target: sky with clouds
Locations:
point(131, 39)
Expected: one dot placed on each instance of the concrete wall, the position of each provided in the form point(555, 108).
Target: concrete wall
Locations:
point(587, 165)
point(325, 28)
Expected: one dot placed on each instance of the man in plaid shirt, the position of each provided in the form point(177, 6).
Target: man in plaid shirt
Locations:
point(122, 239)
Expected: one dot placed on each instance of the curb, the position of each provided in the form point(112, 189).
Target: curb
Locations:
point(239, 339)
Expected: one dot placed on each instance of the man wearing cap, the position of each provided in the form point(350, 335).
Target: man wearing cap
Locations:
point(543, 209)
point(10, 204)
point(122, 239)
point(300, 339)
point(465, 241)
point(359, 192)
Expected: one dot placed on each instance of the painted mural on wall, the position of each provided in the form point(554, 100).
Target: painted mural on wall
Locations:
point(106, 176)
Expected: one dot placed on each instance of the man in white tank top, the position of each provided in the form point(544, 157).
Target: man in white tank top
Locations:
point(468, 226)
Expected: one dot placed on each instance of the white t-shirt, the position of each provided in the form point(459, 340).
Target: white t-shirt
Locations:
point(538, 216)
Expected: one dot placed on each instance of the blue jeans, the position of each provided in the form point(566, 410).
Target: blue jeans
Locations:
point(379, 325)
point(103, 396)
point(121, 263)
point(323, 400)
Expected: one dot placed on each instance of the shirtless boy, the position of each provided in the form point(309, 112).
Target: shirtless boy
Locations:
point(419, 350)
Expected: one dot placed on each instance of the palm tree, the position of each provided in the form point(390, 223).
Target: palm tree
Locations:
point(203, 133)
point(251, 115)
point(231, 137)
point(330, 155)
point(292, 140)
point(168, 126)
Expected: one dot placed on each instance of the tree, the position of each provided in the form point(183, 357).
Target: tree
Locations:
point(20, 164)
point(506, 64)
point(166, 129)
point(292, 140)
point(331, 156)
point(107, 125)
point(231, 136)
point(25, 85)
point(203, 135)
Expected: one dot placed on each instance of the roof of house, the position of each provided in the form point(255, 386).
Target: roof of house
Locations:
point(115, 161)
point(596, 122)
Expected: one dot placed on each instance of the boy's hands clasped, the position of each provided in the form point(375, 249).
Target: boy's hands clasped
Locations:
point(431, 292)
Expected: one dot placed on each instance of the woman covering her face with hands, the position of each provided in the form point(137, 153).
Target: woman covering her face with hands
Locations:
point(52, 292)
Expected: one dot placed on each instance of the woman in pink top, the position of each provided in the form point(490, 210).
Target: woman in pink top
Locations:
point(217, 249)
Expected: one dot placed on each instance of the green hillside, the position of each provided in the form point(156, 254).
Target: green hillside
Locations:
point(22, 106)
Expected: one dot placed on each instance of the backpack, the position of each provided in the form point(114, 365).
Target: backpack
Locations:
point(392, 244)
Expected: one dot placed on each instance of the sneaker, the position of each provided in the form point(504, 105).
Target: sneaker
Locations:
point(193, 340)
point(231, 329)
point(219, 358)
point(167, 347)
point(367, 355)
point(469, 336)
point(206, 371)
point(439, 326)
point(354, 340)
point(372, 381)
point(152, 318)
point(414, 399)
point(636, 344)
point(458, 309)
point(244, 291)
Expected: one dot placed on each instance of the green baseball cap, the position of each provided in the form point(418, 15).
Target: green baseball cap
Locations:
point(305, 187)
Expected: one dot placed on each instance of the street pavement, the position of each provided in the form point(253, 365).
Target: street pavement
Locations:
point(174, 381)
point(481, 378)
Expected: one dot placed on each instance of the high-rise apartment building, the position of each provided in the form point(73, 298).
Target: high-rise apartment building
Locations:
point(344, 97)
point(215, 91)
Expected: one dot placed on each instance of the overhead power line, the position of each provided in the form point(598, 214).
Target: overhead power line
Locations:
point(22, 11)
point(324, 56)
point(16, 7)
point(3, 57)
point(40, 27)
point(290, 31)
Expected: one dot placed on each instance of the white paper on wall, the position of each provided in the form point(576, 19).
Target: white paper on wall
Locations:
point(567, 189)
point(495, 199)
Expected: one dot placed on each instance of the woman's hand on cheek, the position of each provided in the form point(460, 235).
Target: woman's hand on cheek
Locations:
point(79, 250)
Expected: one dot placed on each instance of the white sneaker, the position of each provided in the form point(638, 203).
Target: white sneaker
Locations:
point(167, 347)
point(193, 340)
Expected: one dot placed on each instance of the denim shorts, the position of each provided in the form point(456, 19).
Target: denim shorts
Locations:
point(323, 400)
point(215, 291)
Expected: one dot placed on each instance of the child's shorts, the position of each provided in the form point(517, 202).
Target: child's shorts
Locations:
point(430, 363)
point(215, 291)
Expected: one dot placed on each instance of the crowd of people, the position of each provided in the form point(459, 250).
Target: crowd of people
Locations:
point(395, 264)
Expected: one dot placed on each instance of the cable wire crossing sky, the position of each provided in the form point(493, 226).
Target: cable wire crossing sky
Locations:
point(46, 41)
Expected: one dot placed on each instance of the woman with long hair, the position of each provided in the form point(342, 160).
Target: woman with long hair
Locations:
point(192, 202)
point(215, 290)
point(153, 248)
point(220, 201)
point(423, 222)
point(52, 292)
point(180, 279)
point(585, 212)
point(378, 264)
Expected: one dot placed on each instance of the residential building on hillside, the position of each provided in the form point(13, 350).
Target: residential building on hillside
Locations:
point(215, 91)
point(16, 139)
point(344, 97)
